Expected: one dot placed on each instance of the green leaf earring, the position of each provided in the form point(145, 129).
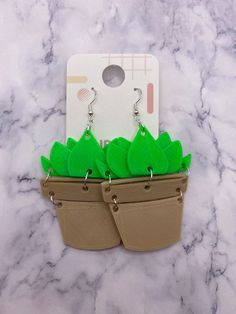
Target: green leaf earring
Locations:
point(86, 153)
point(145, 155)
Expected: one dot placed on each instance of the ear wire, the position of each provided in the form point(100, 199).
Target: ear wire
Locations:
point(136, 112)
point(90, 110)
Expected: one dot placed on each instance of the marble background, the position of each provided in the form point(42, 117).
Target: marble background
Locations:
point(195, 42)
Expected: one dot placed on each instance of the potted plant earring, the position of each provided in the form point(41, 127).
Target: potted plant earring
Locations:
point(147, 201)
point(73, 185)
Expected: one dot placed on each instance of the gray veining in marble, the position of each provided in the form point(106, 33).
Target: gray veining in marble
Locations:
point(195, 42)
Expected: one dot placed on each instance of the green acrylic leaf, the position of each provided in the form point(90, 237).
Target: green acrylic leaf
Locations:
point(116, 158)
point(84, 155)
point(186, 161)
point(59, 158)
point(47, 166)
point(163, 140)
point(70, 143)
point(122, 143)
point(174, 155)
point(144, 153)
point(104, 170)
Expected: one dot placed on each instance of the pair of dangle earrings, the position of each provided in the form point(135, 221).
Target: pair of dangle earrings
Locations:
point(89, 160)
point(120, 158)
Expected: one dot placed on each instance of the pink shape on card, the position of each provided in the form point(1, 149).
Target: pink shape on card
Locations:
point(150, 97)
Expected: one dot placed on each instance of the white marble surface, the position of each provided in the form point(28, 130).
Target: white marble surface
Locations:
point(195, 42)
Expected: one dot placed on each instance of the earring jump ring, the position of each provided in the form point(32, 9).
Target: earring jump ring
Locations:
point(85, 186)
point(47, 176)
point(187, 172)
point(151, 173)
point(58, 204)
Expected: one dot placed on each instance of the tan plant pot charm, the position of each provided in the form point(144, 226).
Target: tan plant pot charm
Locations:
point(85, 220)
point(130, 193)
point(148, 215)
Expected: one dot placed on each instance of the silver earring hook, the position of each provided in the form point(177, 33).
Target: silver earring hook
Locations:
point(136, 89)
point(136, 111)
point(90, 110)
